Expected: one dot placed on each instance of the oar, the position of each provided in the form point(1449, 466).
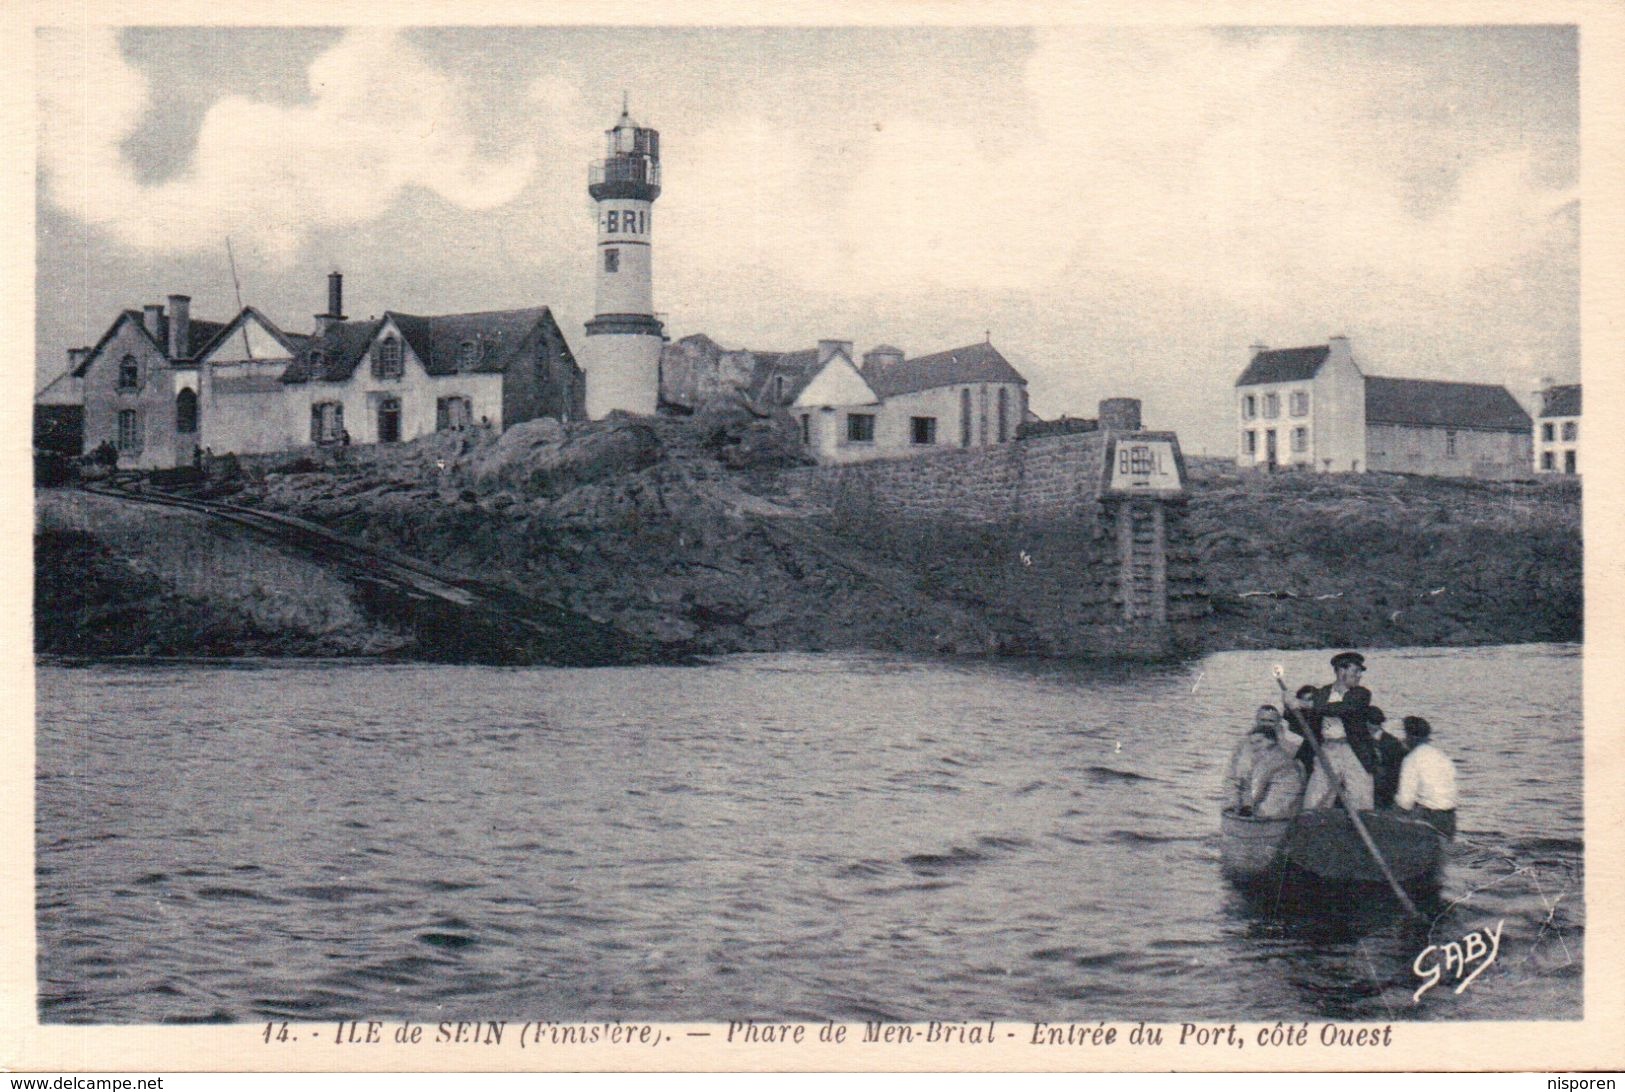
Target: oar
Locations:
point(1337, 787)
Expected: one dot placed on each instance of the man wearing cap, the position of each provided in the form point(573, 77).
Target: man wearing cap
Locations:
point(1264, 781)
point(1427, 780)
point(1387, 754)
point(1342, 705)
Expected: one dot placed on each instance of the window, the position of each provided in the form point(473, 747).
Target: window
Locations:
point(453, 412)
point(778, 388)
point(386, 359)
point(1249, 407)
point(1300, 403)
point(1004, 414)
point(1300, 439)
point(129, 430)
point(326, 422)
point(468, 353)
point(1450, 443)
point(964, 417)
point(612, 260)
point(1548, 460)
point(1571, 430)
point(922, 430)
point(1272, 405)
point(186, 410)
point(1548, 432)
point(806, 428)
point(860, 428)
point(1249, 442)
point(1570, 465)
point(129, 373)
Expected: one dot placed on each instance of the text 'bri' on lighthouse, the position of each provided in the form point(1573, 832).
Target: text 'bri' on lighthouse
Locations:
point(622, 357)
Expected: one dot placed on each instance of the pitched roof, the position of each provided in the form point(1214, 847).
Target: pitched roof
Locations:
point(797, 367)
point(224, 330)
point(979, 363)
point(200, 332)
point(1442, 404)
point(341, 346)
point(1284, 365)
point(1561, 401)
point(480, 341)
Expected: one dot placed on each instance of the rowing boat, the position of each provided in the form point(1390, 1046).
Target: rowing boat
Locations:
point(1322, 847)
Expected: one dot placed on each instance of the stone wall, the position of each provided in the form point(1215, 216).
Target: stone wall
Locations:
point(1030, 481)
point(1022, 531)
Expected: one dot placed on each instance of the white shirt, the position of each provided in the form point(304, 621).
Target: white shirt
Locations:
point(1427, 778)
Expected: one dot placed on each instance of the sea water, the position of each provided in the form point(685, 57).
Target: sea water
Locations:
point(787, 836)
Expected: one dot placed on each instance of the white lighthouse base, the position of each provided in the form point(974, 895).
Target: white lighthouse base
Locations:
point(623, 373)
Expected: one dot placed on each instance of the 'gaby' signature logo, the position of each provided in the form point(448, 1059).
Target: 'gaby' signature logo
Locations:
point(1437, 960)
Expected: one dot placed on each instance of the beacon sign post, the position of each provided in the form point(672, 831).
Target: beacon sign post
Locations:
point(1144, 464)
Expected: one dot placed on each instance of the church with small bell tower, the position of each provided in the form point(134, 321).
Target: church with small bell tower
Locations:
point(621, 352)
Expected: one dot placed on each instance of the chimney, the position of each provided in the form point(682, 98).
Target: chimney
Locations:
point(1254, 349)
point(180, 326)
point(154, 321)
point(1120, 414)
point(335, 303)
point(882, 357)
point(76, 357)
point(829, 347)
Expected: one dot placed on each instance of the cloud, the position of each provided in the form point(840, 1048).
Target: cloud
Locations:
point(380, 120)
point(1189, 161)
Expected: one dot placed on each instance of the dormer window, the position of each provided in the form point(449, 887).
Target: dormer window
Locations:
point(468, 353)
point(129, 373)
point(386, 359)
point(318, 361)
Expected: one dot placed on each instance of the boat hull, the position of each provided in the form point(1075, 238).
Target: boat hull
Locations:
point(1322, 848)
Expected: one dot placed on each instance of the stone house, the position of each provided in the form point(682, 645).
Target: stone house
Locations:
point(163, 387)
point(134, 381)
point(1557, 429)
point(1312, 408)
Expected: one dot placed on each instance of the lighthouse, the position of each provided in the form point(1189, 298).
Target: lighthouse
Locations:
point(622, 351)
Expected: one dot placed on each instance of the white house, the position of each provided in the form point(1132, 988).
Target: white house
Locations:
point(1557, 430)
point(1302, 407)
point(1312, 408)
point(162, 387)
point(886, 407)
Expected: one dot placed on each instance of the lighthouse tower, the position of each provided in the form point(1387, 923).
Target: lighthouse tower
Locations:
point(622, 351)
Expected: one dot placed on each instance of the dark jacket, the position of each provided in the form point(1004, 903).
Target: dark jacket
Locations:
point(1387, 755)
point(1351, 711)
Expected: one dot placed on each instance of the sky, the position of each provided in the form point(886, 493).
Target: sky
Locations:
point(1124, 211)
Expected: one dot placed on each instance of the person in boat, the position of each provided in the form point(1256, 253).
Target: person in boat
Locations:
point(1264, 780)
point(1427, 779)
point(1346, 767)
point(1342, 705)
point(1387, 754)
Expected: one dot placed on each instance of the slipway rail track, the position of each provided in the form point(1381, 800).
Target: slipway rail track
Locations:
point(452, 617)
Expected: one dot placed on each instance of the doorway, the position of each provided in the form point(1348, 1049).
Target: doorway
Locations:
point(389, 420)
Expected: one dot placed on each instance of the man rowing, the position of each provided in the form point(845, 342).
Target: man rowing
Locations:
point(1340, 707)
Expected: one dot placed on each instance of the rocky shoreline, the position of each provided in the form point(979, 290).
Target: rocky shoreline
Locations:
point(685, 535)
